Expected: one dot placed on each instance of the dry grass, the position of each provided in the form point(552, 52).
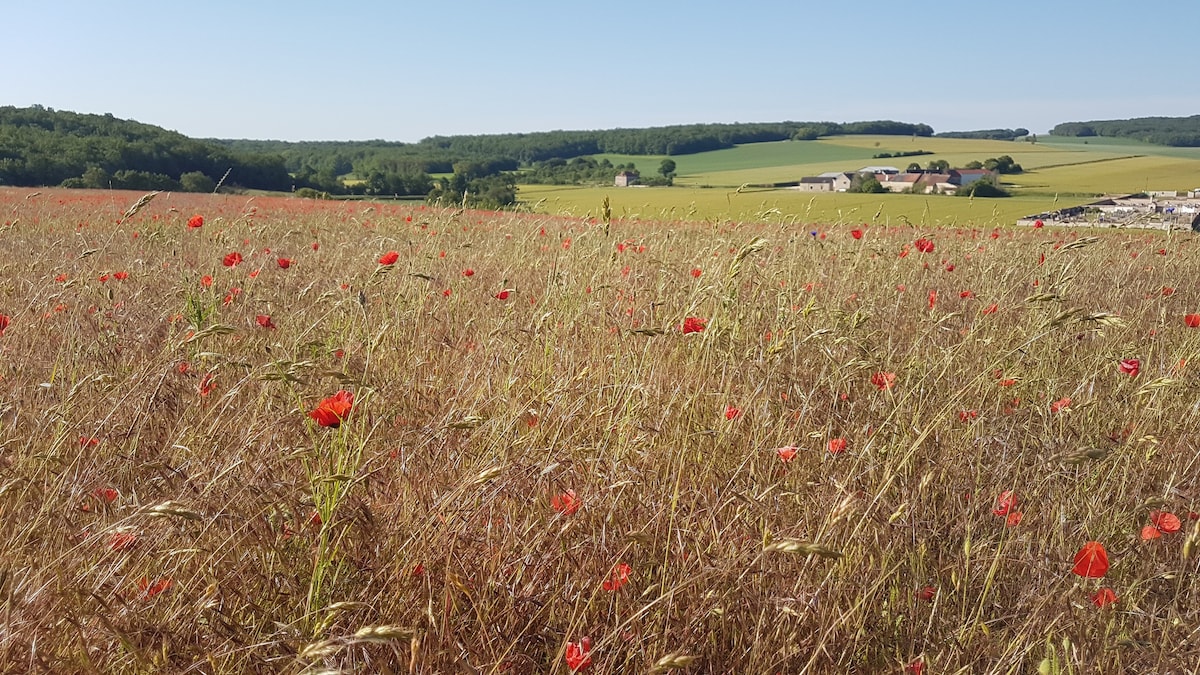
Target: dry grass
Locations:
point(437, 548)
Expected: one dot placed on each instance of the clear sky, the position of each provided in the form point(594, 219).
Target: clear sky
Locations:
point(403, 70)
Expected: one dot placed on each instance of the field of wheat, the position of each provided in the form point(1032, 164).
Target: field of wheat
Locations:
point(246, 434)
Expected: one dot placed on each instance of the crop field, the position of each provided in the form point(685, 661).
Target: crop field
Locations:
point(256, 434)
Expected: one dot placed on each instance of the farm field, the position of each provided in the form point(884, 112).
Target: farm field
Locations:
point(260, 434)
point(1059, 172)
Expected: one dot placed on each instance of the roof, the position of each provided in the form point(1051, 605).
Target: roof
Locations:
point(817, 179)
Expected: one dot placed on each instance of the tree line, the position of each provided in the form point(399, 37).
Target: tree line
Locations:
point(1173, 131)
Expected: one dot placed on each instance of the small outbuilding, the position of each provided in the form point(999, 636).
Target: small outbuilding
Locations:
point(626, 178)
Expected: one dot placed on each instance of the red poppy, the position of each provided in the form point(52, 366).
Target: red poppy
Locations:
point(122, 541)
point(1005, 503)
point(566, 503)
point(857, 233)
point(233, 259)
point(967, 415)
point(284, 263)
point(316, 245)
point(1037, 224)
point(196, 221)
point(206, 281)
point(1150, 532)
point(1014, 519)
point(579, 655)
point(924, 245)
point(926, 593)
point(503, 295)
point(61, 277)
point(264, 320)
point(333, 410)
point(152, 589)
point(1091, 561)
point(389, 258)
point(106, 495)
point(990, 309)
point(732, 412)
point(837, 445)
point(1192, 320)
point(1165, 521)
point(693, 325)
point(1061, 404)
point(932, 299)
point(207, 384)
point(916, 667)
point(1168, 290)
point(468, 272)
point(120, 276)
point(88, 441)
point(883, 380)
point(618, 577)
point(966, 294)
point(696, 272)
point(1130, 367)
point(103, 278)
point(787, 453)
point(5, 320)
point(1104, 597)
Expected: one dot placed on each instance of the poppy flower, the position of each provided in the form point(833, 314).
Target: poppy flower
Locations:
point(924, 245)
point(693, 325)
point(122, 541)
point(389, 258)
point(787, 453)
point(468, 272)
point(566, 503)
point(1091, 561)
point(1005, 503)
point(1014, 519)
point(966, 295)
point(503, 295)
point(206, 281)
point(88, 441)
point(916, 667)
point(990, 309)
point(856, 233)
point(837, 445)
point(1130, 367)
point(333, 410)
point(61, 277)
point(1037, 224)
point(1104, 597)
point(578, 655)
point(106, 495)
point(696, 272)
point(1192, 320)
point(1150, 532)
point(932, 299)
point(618, 577)
point(1061, 404)
point(206, 384)
point(1165, 521)
point(196, 221)
point(264, 320)
point(732, 412)
point(232, 259)
point(1168, 290)
point(149, 590)
point(883, 380)
point(967, 415)
point(926, 593)
point(284, 263)
point(5, 320)
point(120, 276)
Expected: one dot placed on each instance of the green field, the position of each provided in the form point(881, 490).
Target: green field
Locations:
point(1059, 172)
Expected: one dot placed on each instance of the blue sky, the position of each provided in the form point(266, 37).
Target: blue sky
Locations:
point(403, 71)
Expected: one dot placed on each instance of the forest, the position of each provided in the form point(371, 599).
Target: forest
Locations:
point(1174, 131)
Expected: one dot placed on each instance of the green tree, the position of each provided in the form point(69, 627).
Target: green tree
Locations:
point(195, 181)
point(667, 168)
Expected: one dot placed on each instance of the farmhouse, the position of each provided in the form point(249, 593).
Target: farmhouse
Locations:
point(626, 178)
point(815, 184)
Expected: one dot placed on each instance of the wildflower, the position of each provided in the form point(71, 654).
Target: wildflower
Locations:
point(120, 276)
point(149, 590)
point(88, 441)
point(122, 541)
point(196, 221)
point(916, 667)
point(388, 258)
point(837, 445)
point(579, 655)
point(924, 245)
point(693, 325)
point(618, 577)
point(61, 278)
point(1192, 320)
point(966, 415)
point(966, 295)
point(1130, 367)
point(316, 245)
point(1150, 532)
point(1061, 404)
point(732, 412)
point(1104, 597)
point(787, 453)
point(1037, 224)
point(1005, 503)
point(106, 495)
point(333, 410)
point(990, 309)
point(932, 299)
point(1162, 522)
point(1014, 519)
point(206, 384)
point(468, 272)
point(696, 272)
point(206, 281)
point(232, 259)
point(264, 320)
point(1168, 290)
point(566, 503)
point(857, 233)
point(503, 295)
point(883, 380)
point(284, 263)
point(1091, 561)
point(926, 593)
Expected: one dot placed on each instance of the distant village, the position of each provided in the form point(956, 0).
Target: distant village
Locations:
point(894, 180)
point(1155, 209)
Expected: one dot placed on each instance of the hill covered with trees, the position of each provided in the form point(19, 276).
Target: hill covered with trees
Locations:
point(41, 146)
point(1173, 131)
